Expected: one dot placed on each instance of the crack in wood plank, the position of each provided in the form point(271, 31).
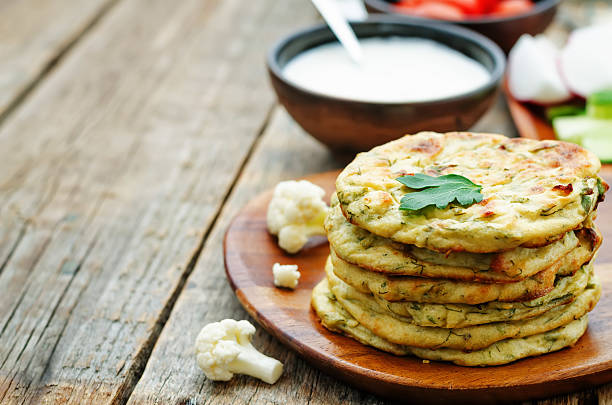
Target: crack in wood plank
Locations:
point(13, 247)
point(33, 264)
point(46, 200)
point(51, 317)
point(73, 273)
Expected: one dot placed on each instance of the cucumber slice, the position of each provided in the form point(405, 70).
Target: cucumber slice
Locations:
point(591, 133)
point(599, 105)
point(563, 110)
point(572, 129)
point(600, 146)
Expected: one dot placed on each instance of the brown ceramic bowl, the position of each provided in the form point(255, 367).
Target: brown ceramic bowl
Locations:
point(351, 125)
point(504, 31)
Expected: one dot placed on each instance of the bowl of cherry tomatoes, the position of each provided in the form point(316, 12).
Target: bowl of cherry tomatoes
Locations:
point(503, 21)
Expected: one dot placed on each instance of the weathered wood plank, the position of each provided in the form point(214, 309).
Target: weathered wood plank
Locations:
point(34, 34)
point(113, 170)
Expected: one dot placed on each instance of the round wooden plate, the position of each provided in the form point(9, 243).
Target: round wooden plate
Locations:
point(250, 253)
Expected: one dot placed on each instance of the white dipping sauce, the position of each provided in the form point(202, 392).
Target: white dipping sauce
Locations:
point(393, 69)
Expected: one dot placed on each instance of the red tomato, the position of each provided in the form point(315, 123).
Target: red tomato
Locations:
point(408, 3)
point(467, 6)
point(488, 5)
point(512, 7)
point(438, 10)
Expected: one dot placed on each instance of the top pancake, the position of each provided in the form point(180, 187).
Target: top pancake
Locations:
point(534, 191)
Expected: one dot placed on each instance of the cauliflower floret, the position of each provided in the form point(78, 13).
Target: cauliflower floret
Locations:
point(297, 211)
point(224, 349)
point(286, 275)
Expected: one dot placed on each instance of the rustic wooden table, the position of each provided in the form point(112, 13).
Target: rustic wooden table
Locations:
point(131, 132)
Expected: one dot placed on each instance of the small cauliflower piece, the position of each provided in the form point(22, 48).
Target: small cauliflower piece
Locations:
point(224, 349)
point(286, 275)
point(297, 211)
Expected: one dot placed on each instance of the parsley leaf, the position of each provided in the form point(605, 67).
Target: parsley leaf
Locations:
point(439, 191)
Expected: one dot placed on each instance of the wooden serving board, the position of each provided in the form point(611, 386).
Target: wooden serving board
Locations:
point(250, 253)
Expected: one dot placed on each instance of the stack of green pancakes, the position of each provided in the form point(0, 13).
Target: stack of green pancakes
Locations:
point(477, 284)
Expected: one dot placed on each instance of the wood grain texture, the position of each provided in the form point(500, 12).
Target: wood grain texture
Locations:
point(112, 172)
point(34, 34)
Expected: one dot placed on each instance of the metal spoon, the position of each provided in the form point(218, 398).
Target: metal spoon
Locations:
point(340, 27)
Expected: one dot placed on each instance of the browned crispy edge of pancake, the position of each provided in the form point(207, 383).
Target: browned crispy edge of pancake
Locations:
point(539, 284)
point(591, 235)
point(531, 245)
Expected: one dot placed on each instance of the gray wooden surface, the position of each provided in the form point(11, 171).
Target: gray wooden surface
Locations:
point(131, 131)
point(34, 36)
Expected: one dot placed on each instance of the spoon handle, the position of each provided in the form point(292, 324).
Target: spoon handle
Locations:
point(340, 27)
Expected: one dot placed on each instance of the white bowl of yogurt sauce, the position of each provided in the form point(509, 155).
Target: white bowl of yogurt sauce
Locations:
point(414, 77)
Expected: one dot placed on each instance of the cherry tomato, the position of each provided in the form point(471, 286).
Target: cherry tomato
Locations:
point(438, 10)
point(488, 5)
point(407, 3)
point(467, 6)
point(512, 7)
